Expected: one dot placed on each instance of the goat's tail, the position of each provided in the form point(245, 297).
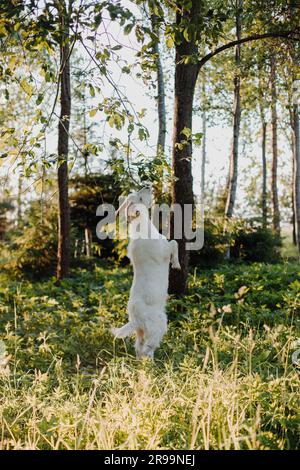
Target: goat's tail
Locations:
point(124, 331)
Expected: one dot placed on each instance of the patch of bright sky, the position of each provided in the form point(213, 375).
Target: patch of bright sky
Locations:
point(219, 137)
point(141, 96)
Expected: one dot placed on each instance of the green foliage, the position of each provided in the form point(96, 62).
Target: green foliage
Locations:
point(256, 244)
point(213, 251)
point(88, 192)
point(6, 206)
point(34, 250)
point(247, 240)
point(225, 364)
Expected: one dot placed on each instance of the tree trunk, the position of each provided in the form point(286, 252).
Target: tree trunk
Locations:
point(261, 101)
point(185, 82)
point(294, 233)
point(161, 101)
point(264, 171)
point(85, 153)
point(63, 255)
point(88, 242)
point(233, 169)
point(264, 174)
point(19, 201)
point(296, 182)
point(294, 51)
point(275, 202)
point(203, 161)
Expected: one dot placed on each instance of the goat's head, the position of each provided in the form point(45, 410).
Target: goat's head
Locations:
point(136, 202)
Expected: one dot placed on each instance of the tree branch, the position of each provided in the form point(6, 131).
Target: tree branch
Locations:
point(253, 37)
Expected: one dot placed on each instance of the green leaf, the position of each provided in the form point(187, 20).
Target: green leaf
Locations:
point(143, 134)
point(39, 98)
point(98, 19)
point(48, 77)
point(93, 112)
point(111, 121)
point(170, 42)
point(186, 35)
point(26, 87)
point(128, 28)
point(187, 132)
point(92, 90)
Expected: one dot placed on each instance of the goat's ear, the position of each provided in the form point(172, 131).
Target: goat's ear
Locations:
point(145, 196)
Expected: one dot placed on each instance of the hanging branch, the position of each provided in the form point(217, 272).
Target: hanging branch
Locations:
point(253, 37)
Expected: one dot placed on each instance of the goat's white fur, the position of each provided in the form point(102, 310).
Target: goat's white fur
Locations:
point(150, 254)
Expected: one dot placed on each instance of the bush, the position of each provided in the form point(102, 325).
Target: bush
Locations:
point(256, 244)
point(248, 242)
point(214, 248)
point(35, 251)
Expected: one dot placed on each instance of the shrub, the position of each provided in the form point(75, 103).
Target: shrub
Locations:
point(256, 244)
point(248, 242)
point(34, 252)
point(213, 251)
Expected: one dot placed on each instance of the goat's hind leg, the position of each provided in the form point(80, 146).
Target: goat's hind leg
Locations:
point(139, 342)
point(151, 343)
point(148, 351)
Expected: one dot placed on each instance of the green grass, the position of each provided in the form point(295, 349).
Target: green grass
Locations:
point(288, 250)
point(223, 378)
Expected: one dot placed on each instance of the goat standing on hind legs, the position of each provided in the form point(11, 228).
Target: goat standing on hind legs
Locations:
point(150, 254)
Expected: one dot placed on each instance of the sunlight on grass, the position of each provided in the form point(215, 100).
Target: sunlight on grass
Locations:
point(223, 378)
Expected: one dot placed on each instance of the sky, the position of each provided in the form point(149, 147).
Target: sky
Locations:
point(219, 137)
point(141, 96)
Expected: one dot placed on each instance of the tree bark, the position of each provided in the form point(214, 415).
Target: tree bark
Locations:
point(233, 169)
point(203, 160)
point(161, 101)
point(63, 254)
point(88, 242)
point(294, 52)
point(294, 232)
point(293, 147)
point(19, 201)
point(275, 202)
point(264, 175)
point(296, 182)
point(263, 156)
point(185, 82)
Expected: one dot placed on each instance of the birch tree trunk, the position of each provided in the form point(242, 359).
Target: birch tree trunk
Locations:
point(63, 255)
point(233, 169)
point(275, 202)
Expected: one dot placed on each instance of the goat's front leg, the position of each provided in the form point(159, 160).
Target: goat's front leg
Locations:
point(174, 255)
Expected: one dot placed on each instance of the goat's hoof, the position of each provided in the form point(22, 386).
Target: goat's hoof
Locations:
point(176, 266)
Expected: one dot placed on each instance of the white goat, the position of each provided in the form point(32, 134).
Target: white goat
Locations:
point(150, 254)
